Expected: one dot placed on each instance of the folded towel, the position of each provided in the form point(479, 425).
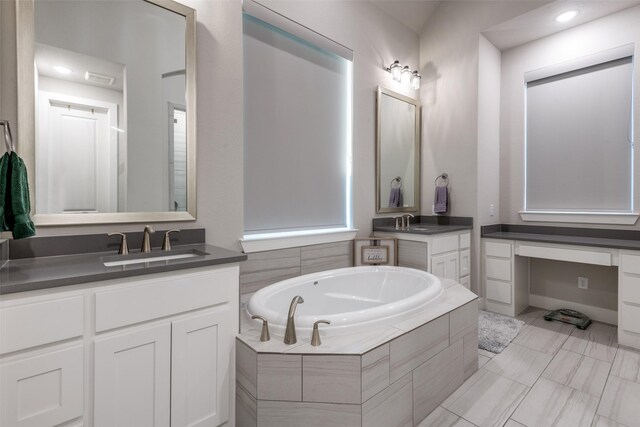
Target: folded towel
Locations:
point(14, 197)
point(395, 197)
point(441, 202)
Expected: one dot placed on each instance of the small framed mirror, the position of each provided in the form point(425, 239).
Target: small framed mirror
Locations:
point(397, 152)
point(107, 110)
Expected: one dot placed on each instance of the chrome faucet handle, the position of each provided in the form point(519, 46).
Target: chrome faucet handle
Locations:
point(166, 242)
point(315, 336)
point(398, 218)
point(124, 248)
point(264, 335)
point(146, 245)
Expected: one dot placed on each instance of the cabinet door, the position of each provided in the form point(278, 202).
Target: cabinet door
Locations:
point(132, 378)
point(465, 262)
point(446, 265)
point(200, 369)
point(43, 390)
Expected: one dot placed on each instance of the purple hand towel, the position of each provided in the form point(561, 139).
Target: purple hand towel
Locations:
point(441, 202)
point(395, 197)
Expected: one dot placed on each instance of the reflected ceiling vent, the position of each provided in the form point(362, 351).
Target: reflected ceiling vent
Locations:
point(99, 78)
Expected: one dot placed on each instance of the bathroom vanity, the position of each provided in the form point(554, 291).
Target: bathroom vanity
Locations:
point(441, 249)
point(506, 250)
point(140, 344)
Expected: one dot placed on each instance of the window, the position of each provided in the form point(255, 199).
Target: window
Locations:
point(579, 150)
point(297, 133)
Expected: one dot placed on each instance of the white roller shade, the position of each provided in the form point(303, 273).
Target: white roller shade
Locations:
point(297, 132)
point(579, 151)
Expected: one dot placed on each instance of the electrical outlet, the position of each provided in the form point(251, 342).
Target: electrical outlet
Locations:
point(583, 283)
point(492, 210)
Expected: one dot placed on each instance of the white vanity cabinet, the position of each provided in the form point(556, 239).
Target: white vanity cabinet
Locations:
point(154, 350)
point(629, 299)
point(444, 255)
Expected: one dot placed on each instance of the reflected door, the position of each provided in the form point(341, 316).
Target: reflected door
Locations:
point(79, 151)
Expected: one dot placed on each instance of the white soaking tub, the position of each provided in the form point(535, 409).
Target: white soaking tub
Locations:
point(352, 299)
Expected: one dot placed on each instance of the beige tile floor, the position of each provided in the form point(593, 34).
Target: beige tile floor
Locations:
point(552, 374)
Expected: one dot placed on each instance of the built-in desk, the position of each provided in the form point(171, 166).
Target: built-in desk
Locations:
point(506, 250)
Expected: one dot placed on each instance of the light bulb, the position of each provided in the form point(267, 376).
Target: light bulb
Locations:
point(567, 16)
point(396, 70)
point(406, 75)
point(415, 80)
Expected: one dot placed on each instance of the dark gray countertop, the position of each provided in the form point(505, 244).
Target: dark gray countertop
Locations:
point(28, 274)
point(425, 229)
point(599, 242)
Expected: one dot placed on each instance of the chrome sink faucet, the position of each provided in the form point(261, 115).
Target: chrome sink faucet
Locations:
point(290, 333)
point(146, 245)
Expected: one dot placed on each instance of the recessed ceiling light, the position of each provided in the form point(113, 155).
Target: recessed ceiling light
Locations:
point(567, 16)
point(61, 69)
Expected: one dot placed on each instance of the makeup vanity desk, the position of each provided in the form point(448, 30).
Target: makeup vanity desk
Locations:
point(506, 250)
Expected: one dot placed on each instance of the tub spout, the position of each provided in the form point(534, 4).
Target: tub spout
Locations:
point(290, 333)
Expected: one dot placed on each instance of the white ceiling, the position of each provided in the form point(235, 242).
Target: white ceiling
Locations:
point(525, 28)
point(541, 22)
point(412, 13)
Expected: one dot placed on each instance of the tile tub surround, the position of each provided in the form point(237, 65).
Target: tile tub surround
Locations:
point(394, 376)
point(265, 268)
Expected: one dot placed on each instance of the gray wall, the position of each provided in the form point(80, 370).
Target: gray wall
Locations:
point(557, 279)
point(376, 40)
point(609, 32)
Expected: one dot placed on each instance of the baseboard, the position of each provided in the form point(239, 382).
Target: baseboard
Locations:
point(596, 313)
point(481, 304)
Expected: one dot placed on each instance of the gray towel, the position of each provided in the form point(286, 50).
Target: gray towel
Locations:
point(395, 197)
point(441, 202)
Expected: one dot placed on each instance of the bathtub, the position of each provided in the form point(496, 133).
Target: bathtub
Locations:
point(352, 299)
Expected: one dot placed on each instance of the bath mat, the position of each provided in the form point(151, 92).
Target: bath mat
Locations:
point(496, 331)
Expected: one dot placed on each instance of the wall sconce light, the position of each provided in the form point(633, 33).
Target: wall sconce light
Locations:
point(404, 75)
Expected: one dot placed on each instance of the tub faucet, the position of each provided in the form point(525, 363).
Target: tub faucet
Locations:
point(290, 333)
point(146, 246)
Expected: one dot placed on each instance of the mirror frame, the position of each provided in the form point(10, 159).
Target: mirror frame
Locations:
point(25, 45)
point(385, 209)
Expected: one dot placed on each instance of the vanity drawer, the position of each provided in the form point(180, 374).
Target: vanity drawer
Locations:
point(465, 240)
point(629, 288)
point(498, 291)
point(43, 322)
point(630, 318)
point(444, 244)
point(498, 269)
point(631, 263)
point(499, 249)
point(174, 293)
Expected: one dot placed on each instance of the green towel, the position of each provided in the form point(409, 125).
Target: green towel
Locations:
point(14, 197)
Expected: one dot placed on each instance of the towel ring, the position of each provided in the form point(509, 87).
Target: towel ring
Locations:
point(397, 180)
point(8, 140)
point(444, 177)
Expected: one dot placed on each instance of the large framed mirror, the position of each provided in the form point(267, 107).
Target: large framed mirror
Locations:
point(397, 152)
point(107, 110)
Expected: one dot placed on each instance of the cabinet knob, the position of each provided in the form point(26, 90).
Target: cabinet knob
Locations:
point(264, 335)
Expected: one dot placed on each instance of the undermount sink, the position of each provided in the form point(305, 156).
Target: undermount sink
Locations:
point(142, 258)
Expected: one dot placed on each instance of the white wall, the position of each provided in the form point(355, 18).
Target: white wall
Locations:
point(609, 32)
point(376, 39)
point(449, 65)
